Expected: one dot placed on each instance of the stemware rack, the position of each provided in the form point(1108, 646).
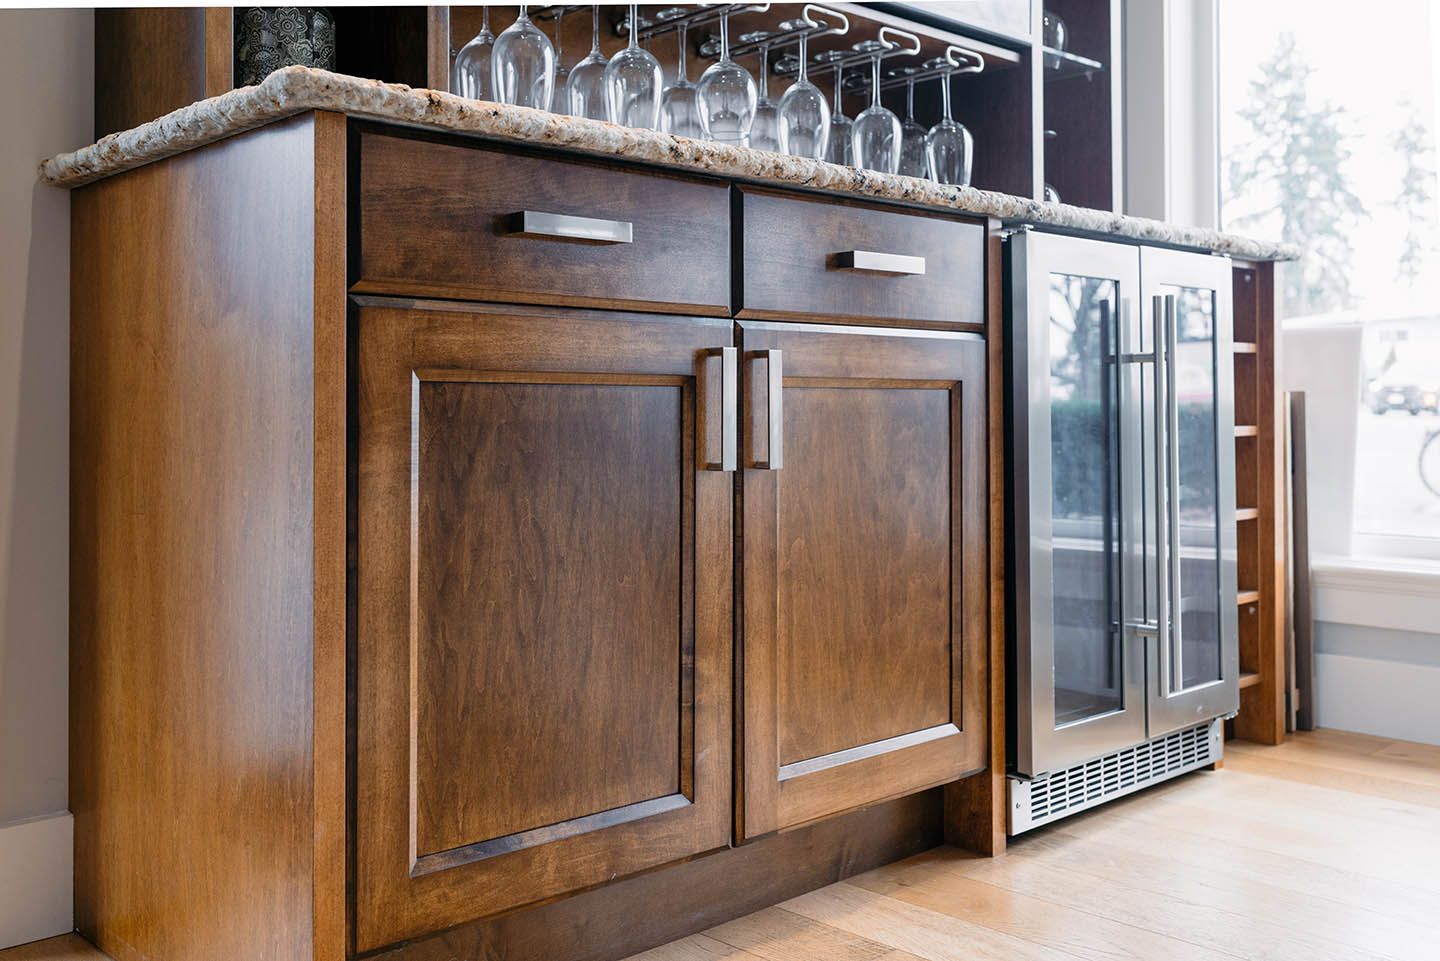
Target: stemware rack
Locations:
point(1024, 90)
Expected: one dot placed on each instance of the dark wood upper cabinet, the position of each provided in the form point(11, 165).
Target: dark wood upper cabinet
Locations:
point(864, 570)
point(543, 620)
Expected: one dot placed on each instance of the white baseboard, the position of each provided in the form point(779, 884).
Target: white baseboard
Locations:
point(36, 872)
point(1372, 696)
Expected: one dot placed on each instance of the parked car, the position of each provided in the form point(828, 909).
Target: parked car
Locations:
point(1408, 390)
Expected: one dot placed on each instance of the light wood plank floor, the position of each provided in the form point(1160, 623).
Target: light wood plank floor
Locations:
point(1326, 848)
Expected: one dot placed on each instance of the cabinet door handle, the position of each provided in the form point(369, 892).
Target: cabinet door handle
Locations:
point(729, 427)
point(537, 223)
point(774, 413)
point(874, 262)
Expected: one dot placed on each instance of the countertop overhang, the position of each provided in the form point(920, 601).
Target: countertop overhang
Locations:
point(295, 90)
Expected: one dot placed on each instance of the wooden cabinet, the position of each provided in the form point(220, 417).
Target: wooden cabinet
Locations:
point(543, 617)
point(864, 567)
point(604, 616)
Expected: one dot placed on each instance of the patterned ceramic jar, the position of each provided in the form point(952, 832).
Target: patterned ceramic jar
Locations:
point(268, 38)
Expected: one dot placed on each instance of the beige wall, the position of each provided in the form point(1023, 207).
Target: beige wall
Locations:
point(46, 97)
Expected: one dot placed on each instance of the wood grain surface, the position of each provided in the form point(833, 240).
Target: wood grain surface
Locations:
point(434, 220)
point(192, 551)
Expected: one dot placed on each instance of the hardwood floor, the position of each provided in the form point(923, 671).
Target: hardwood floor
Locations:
point(1321, 849)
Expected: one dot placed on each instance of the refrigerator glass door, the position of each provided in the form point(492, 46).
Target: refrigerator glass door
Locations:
point(1196, 663)
point(1076, 426)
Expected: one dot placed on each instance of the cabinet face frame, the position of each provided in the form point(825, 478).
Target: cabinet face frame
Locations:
point(400, 894)
point(771, 795)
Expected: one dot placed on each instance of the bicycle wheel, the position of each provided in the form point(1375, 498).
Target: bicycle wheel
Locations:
point(1430, 462)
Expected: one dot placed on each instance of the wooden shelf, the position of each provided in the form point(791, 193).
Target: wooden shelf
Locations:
point(1246, 430)
point(1247, 513)
point(1248, 679)
point(1246, 347)
point(1247, 597)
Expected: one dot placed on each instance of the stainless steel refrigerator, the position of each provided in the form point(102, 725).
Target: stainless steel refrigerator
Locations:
point(1122, 559)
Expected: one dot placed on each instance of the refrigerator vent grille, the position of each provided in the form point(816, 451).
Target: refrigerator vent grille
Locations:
point(1047, 797)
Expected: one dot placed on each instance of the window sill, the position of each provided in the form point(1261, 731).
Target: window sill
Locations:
point(1396, 595)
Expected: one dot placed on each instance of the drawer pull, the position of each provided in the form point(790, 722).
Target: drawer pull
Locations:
point(877, 263)
point(536, 223)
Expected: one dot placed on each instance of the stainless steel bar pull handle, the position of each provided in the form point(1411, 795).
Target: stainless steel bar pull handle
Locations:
point(729, 358)
point(875, 262)
point(1161, 616)
point(1172, 650)
point(537, 223)
point(774, 412)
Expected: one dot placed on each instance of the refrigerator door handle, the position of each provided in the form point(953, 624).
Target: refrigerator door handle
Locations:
point(1170, 564)
point(1161, 482)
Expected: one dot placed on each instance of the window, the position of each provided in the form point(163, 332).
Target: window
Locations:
point(1322, 146)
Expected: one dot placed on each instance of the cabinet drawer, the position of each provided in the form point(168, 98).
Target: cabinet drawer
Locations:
point(807, 259)
point(449, 220)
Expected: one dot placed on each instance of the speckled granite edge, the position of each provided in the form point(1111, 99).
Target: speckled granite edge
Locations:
point(295, 90)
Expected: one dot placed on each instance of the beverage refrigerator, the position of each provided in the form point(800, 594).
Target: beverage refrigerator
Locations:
point(1122, 563)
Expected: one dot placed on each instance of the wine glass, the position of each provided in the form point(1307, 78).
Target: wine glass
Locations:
point(804, 114)
point(523, 66)
point(633, 81)
point(470, 76)
point(585, 89)
point(765, 128)
point(727, 94)
point(680, 105)
point(949, 148)
point(838, 151)
point(561, 72)
point(912, 136)
point(875, 135)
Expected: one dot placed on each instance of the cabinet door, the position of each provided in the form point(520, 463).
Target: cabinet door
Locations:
point(543, 623)
point(864, 567)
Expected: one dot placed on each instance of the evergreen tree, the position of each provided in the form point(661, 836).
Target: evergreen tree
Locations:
point(1416, 198)
point(1292, 171)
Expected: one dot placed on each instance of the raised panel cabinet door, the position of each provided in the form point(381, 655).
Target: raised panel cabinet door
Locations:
point(543, 606)
point(864, 567)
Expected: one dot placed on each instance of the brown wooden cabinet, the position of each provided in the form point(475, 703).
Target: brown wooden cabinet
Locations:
point(543, 609)
point(863, 567)
point(607, 617)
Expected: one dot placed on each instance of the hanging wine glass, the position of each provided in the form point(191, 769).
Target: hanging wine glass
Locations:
point(470, 75)
point(949, 148)
point(727, 94)
point(523, 65)
point(561, 72)
point(585, 89)
point(634, 81)
point(875, 135)
point(913, 162)
point(765, 128)
point(804, 114)
point(838, 150)
point(680, 105)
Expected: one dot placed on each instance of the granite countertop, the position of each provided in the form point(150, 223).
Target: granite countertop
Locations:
point(295, 90)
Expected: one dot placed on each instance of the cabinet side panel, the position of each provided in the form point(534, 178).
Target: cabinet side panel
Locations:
point(192, 452)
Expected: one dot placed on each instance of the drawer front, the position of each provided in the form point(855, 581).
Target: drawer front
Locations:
point(451, 220)
point(806, 259)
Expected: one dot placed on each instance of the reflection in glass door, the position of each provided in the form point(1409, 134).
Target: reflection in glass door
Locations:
point(1195, 641)
point(1085, 496)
